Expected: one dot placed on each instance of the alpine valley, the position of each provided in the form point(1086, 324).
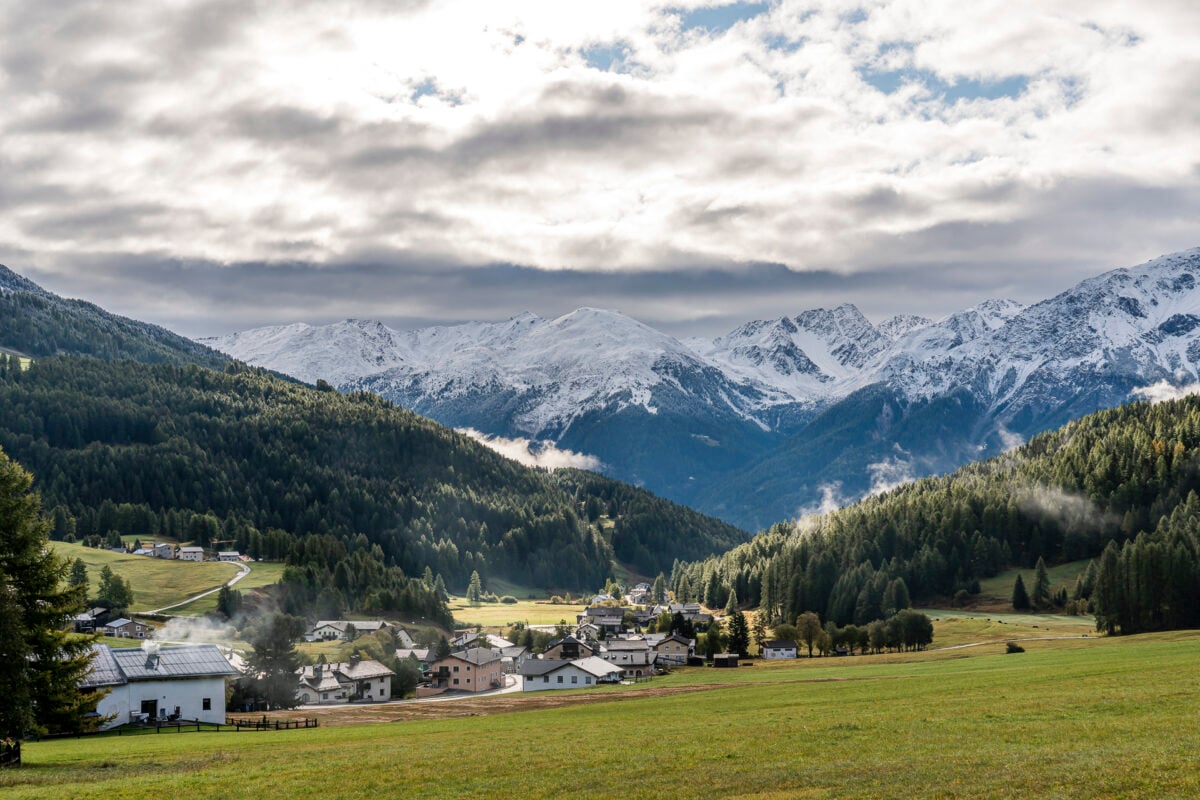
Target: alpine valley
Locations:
point(779, 415)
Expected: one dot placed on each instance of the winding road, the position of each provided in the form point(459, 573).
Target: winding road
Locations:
point(245, 571)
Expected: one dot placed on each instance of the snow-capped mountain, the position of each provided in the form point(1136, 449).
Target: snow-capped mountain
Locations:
point(823, 397)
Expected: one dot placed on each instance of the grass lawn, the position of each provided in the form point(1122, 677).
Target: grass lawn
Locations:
point(957, 627)
point(1082, 719)
point(156, 582)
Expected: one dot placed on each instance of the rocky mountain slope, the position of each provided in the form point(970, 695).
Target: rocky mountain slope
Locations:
point(766, 420)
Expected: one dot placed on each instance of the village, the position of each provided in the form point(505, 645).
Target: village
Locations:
point(608, 643)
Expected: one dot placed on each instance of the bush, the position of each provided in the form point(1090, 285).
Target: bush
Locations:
point(508, 598)
point(1013, 647)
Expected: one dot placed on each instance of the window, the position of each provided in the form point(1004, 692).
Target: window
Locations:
point(574, 679)
point(560, 680)
point(545, 679)
point(456, 668)
point(456, 681)
point(588, 680)
point(206, 704)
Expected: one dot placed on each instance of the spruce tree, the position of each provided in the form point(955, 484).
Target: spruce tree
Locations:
point(41, 663)
point(1020, 597)
point(1041, 586)
point(274, 660)
point(79, 574)
point(475, 589)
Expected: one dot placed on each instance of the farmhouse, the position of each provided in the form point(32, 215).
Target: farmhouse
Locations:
point(127, 629)
point(474, 670)
point(568, 648)
point(150, 682)
point(326, 630)
point(229, 555)
point(191, 554)
point(164, 550)
point(672, 649)
point(634, 656)
point(541, 674)
point(777, 648)
point(350, 681)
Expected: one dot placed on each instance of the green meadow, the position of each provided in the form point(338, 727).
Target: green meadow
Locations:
point(1080, 718)
point(156, 582)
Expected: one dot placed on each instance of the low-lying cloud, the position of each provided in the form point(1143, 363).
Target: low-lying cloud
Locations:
point(534, 453)
point(1163, 391)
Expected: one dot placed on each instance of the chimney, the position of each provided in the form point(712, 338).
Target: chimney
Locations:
point(317, 671)
point(354, 659)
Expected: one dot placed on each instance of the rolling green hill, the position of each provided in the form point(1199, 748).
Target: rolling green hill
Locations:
point(1121, 483)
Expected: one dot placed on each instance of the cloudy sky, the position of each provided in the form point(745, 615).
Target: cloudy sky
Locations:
point(214, 165)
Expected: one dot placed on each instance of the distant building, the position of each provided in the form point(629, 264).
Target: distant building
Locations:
point(229, 555)
point(776, 649)
point(150, 682)
point(127, 629)
point(164, 550)
point(474, 670)
point(540, 674)
point(191, 554)
point(350, 681)
point(327, 630)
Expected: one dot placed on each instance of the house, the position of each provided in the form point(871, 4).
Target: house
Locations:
point(88, 621)
point(725, 660)
point(474, 670)
point(511, 658)
point(164, 550)
point(404, 638)
point(540, 674)
point(780, 648)
point(633, 656)
point(152, 682)
point(422, 655)
point(127, 629)
point(326, 630)
point(144, 551)
point(612, 620)
point(356, 680)
point(229, 555)
point(191, 554)
point(468, 639)
point(671, 649)
point(568, 648)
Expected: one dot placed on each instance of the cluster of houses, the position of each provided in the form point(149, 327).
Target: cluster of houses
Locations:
point(191, 553)
point(99, 620)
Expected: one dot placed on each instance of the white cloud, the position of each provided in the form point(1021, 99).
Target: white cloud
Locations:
point(888, 474)
point(476, 132)
point(1163, 391)
point(535, 453)
point(1009, 440)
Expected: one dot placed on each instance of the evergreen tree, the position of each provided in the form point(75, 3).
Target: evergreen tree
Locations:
point(79, 575)
point(659, 592)
point(1020, 597)
point(1041, 586)
point(443, 648)
point(475, 589)
point(739, 634)
point(273, 662)
point(714, 640)
point(41, 663)
point(229, 602)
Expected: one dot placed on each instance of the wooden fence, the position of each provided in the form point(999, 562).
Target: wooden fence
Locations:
point(265, 724)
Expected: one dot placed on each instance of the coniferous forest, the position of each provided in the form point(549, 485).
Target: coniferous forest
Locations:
point(1119, 485)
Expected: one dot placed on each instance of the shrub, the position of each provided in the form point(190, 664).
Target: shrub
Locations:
point(1013, 647)
point(508, 598)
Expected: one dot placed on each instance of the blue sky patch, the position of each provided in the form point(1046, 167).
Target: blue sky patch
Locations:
point(961, 89)
point(607, 57)
point(718, 19)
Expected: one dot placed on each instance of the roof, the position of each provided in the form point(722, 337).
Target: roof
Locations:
point(626, 644)
point(118, 623)
point(542, 666)
point(476, 655)
point(569, 640)
point(114, 667)
point(360, 625)
point(781, 644)
point(188, 661)
point(191, 549)
point(360, 671)
point(597, 666)
point(674, 637)
point(104, 670)
point(604, 611)
point(419, 653)
point(228, 553)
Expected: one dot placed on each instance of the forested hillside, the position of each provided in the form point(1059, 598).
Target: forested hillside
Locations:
point(648, 531)
point(348, 483)
point(1122, 479)
point(38, 323)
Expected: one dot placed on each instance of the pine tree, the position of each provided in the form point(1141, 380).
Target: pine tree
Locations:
point(659, 591)
point(79, 574)
point(1041, 586)
point(41, 664)
point(739, 634)
point(274, 660)
point(1020, 597)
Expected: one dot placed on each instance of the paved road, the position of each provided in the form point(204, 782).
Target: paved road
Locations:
point(245, 571)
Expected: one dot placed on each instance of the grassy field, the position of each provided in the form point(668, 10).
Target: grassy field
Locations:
point(156, 582)
point(1080, 718)
point(262, 573)
point(996, 592)
point(502, 615)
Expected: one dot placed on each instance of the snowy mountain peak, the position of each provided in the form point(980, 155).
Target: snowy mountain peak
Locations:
point(897, 326)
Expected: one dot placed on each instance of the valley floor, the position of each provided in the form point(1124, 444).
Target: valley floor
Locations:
point(1094, 717)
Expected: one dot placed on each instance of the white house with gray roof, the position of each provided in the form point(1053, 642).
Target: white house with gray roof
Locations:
point(356, 680)
point(541, 674)
point(153, 682)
